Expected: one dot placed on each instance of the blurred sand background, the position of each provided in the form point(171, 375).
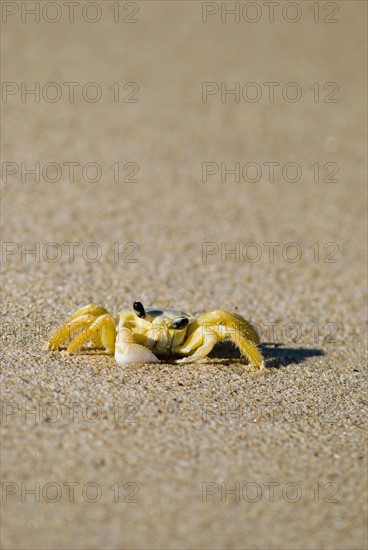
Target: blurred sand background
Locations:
point(172, 430)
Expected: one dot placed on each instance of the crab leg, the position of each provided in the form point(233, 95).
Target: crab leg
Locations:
point(84, 317)
point(101, 331)
point(217, 326)
point(68, 329)
point(90, 309)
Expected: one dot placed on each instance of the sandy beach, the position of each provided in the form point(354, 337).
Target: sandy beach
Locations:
point(187, 158)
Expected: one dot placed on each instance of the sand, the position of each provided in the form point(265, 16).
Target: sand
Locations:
point(208, 455)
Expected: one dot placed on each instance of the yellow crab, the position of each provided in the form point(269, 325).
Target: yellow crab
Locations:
point(143, 335)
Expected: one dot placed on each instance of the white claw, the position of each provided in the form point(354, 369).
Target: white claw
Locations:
point(127, 352)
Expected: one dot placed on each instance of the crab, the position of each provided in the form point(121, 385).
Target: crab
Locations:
point(149, 335)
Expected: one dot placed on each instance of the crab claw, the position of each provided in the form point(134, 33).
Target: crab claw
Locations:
point(128, 352)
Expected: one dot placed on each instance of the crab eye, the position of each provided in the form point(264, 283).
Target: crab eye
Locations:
point(139, 309)
point(180, 323)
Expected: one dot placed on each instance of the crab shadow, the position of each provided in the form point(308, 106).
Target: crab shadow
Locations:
point(275, 355)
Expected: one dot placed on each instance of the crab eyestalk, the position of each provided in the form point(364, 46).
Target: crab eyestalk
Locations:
point(180, 323)
point(139, 309)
